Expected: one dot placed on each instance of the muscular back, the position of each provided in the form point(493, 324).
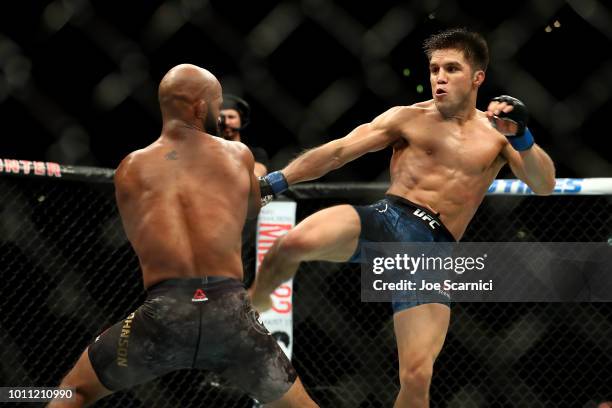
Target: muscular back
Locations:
point(444, 165)
point(183, 203)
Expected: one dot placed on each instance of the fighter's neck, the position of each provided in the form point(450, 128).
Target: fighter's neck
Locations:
point(181, 131)
point(460, 116)
point(234, 138)
point(178, 125)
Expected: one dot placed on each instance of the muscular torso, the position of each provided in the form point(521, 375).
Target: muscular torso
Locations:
point(446, 166)
point(183, 204)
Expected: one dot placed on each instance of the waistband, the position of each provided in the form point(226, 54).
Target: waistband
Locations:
point(208, 283)
point(441, 232)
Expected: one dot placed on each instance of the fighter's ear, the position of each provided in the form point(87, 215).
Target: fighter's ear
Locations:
point(200, 109)
point(479, 77)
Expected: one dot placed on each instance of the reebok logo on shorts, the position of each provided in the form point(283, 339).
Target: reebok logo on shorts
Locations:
point(199, 296)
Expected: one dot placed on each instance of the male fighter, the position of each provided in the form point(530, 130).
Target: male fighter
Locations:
point(446, 153)
point(184, 224)
point(235, 117)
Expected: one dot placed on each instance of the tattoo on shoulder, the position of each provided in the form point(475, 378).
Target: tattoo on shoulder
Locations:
point(173, 155)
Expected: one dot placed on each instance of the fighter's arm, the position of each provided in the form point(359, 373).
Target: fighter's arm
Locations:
point(261, 161)
point(366, 138)
point(528, 161)
point(370, 137)
point(125, 184)
point(260, 169)
point(533, 166)
point(254, 195)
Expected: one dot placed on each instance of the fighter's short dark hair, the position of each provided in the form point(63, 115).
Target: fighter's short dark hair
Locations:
point(473, 45)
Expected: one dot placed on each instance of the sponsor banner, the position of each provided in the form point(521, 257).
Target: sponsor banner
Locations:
point(38, 169)
point(275, 220)
point(27, 167)
point(486, 272)
point(563, 186)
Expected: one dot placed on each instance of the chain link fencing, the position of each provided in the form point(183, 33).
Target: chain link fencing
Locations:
point(68, 272)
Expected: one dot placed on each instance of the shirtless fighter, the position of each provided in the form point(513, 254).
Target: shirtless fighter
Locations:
point(185, 225)
point(446, 153)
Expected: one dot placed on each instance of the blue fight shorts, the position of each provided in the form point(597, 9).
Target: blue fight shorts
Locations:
point(395, 219)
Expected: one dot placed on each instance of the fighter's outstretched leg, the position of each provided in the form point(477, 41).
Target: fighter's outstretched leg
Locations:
point(331, 234)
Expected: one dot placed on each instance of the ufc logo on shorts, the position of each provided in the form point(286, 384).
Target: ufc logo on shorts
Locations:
point(427, 218)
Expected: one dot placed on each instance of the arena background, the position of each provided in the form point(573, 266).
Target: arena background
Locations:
point(78, 84)
point(78, 79)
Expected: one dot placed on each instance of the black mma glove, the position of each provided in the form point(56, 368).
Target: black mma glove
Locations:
point(271, 185)
point(522, 139)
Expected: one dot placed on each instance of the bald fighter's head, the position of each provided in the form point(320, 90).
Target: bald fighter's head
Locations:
point(191, 94)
